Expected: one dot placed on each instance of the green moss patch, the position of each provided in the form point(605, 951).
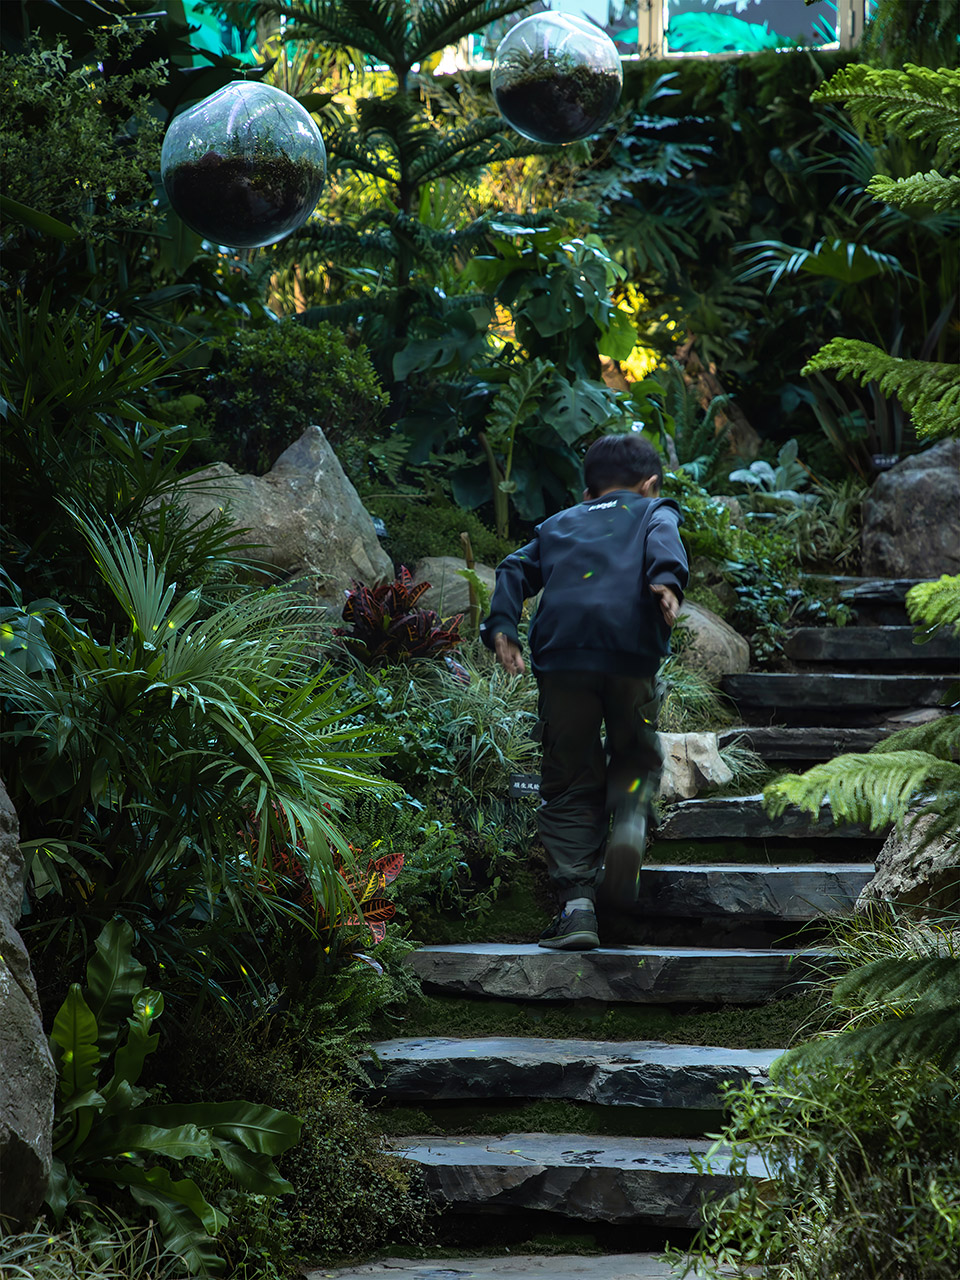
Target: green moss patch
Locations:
point(524, 1116)
point(759, 1027)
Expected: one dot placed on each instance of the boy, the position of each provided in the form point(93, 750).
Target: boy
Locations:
point(612, 571)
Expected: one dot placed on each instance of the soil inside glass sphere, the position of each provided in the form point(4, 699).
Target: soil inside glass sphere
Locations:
point(555, 105)
point(244, 201)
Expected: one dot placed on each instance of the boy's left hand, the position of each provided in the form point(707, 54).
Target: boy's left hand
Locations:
point(669, 604)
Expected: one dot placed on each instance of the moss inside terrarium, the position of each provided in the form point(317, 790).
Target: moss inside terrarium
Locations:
point(557, 100)
point(244, 199)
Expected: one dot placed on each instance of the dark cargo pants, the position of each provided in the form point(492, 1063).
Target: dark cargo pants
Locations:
point(584, 778)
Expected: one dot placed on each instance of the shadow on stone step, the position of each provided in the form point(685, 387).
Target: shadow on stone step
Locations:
point(537, 1231)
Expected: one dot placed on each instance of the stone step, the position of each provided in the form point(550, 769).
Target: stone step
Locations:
point(856, 590)
point(617, 1180)
point(634, 975)
point(804, 742)
point(744, 818)
point(807, 695)
point(512, 1266)
point(860, 646)
point(646, 1073)
point(788, 893)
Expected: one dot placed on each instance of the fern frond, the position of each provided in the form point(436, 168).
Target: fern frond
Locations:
point(936, 604)
point(876, 789)
point(923, 984)
point(922, 1037)
point(929, 391)
point(918, 102)
point(920, 191)
point(940, 738)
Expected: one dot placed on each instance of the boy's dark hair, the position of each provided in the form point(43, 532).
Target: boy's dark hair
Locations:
point(620, 462)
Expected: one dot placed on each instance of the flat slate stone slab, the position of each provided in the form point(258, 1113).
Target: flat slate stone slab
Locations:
point(805, 742)
point(876, 590)
point(881, 590)
point(613, 1266)
point(635, 975)
point(807, 892)
point(617, 1074)
point(812, 692)
point(744, 818)
point(597, 1179)
point(861, 645)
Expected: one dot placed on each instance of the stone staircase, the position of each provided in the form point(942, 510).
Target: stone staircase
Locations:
point(728, 917)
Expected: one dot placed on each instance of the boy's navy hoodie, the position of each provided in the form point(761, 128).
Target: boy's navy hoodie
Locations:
point(595, 564)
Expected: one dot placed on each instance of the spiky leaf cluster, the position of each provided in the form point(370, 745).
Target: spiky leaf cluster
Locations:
point(928, 390)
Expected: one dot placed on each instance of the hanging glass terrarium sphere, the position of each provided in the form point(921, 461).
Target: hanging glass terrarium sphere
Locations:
point(244, 167)
point(556, 78)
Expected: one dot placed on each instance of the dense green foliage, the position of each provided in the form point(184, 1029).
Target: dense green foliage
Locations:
point(107, 1132)
point(137, 760)
point(913, 103)
point(265, 386)
point(861, 1170)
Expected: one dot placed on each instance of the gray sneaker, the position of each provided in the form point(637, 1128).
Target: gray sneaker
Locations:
point(575, 932)
point(623, 859)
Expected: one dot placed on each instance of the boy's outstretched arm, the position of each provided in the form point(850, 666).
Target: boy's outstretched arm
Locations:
point(666, 562)
point(669, 604)
point(518, 577)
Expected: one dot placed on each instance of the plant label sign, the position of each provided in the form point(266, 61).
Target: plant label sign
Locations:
point(524, 784)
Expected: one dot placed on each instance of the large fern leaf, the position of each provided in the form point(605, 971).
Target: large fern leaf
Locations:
point(929, 391)
point(940, 738)
point(936, 604)
point(876, 789)
point(921, 190)
point(917, 102)
point(908, 1008)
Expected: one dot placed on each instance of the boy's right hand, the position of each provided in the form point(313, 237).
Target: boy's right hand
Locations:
point(509, 654)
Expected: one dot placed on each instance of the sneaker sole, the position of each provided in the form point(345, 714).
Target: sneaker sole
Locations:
point(582, 941)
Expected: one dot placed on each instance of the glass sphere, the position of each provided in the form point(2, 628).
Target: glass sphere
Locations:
point(244, 167)
point(556, 78)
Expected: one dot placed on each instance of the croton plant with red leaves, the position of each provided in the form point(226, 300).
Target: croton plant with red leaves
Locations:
point(365, 912)
point(386, 625)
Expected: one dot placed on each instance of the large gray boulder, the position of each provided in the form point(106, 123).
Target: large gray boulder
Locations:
point(715, 648)
point(27, 1073)
point(913, 873)
point(449, 594)
point(911, 516)
point(304, 514)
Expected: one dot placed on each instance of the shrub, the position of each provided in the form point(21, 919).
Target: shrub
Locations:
point(351, 1194)
point(135, 764)
point(107, 1134)
point(266, 386)
point(863, 1166)
point(419, 528)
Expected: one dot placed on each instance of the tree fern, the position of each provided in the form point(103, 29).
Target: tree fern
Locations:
point(917, 102)
point(920, 191)
point(929, 391)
